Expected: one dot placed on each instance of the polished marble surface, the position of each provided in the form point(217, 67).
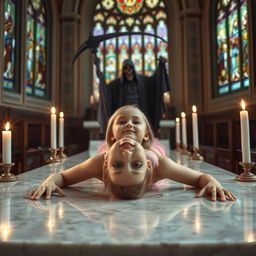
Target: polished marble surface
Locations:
point(167, 221)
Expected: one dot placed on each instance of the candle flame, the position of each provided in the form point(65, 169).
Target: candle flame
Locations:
point(183, 115)
point(177, 120)
point(243, 104)
point(53, 110)
point(61, 114)
point(7, 126)
point(194, 109)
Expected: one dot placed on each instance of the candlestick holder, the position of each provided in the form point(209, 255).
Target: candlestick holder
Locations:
point(195, 155)
point(7, 176)
point(246, 176)
point(178, 148)
point(184, 150)
point(61, 153)
point(53, 157)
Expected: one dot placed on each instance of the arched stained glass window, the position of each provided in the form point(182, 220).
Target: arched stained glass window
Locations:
point(232, 46)
point(126, 16)
point(36, 49)
point(10, 9)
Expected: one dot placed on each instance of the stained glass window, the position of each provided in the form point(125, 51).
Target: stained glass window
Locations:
point(36, 49)
point(130, 16)
point(232, 46)
point(9, 43)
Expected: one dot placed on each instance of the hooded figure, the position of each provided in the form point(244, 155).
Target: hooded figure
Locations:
point(134, 89)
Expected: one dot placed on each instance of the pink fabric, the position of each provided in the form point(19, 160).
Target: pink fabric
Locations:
point(161, 149)
point(152, 157)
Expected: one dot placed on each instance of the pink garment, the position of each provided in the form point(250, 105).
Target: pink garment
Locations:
point(161, 149)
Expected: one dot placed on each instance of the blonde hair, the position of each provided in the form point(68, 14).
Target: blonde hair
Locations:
point(145, 143)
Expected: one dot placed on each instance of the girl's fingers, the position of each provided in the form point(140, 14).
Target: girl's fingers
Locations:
point(222, 195)
point(40, 191)
point(48, 193)
point(213, 192)
point(60, 191)
point(229, 195)
point(201, 192)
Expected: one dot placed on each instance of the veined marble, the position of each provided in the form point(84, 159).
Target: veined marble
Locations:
point(167, 221)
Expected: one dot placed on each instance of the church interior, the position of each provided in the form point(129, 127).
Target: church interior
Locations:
point(209, 47)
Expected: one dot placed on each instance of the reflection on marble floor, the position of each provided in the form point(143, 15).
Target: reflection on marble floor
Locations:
point(168, 214)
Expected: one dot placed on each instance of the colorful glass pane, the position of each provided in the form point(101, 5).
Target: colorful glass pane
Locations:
point(234, 47)
point(152, 3)
point(110, 57)
point(36, 4)
point(129, 7)
point(136, 50)
point(123, 52)
point(36, 49)
point(98, 17)
point(108, 4)
point(149, 57)
point(162, 47)
point(111, 20)
point(244, 25)
point(30, 51)
point(222, 52)
point(232, 57)
point(40, 57)
point(9, 43)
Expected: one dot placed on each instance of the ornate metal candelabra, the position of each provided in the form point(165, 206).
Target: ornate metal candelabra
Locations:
point(195, 155)
point(53, 156)
point(7, 176)
point(247, 175)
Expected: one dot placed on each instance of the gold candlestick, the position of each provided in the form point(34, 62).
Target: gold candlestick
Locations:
point(178, 148)
point(184, 150)
point(53, 157)
point(246, 176)
point(7, 176)
point(195, 155)
point(61, 153)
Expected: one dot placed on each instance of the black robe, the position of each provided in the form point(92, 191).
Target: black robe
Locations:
point(150, 91)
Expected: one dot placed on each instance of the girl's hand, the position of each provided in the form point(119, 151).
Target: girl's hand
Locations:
point(216, 191)
point(46, 188)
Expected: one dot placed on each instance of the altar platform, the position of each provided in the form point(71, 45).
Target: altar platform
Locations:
point(167, 221)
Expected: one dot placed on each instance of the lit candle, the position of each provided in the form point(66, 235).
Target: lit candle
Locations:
point(53, 128)
point(7, 144)
point(61, 130)
point(195, 127)
point(184, 129)
point(177, 130)
point(245, 134)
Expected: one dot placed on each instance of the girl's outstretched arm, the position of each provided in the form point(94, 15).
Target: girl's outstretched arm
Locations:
point(167, 168)
point(91, 168)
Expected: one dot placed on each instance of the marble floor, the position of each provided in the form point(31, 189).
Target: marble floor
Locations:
point(167, 221)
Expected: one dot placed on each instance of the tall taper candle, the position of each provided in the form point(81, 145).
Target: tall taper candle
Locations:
point(7, 144)
point(184, 129)
point(195, 127)
point(61, 130)
point(177, 130)
point(245, 134)
point(53, 128)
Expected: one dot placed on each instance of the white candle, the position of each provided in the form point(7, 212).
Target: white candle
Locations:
point(184, 129)
point(53, 128)
point(245, 134)
point(61, 130)
point(195, 127)
point(92, 99)
point(7, 144)
point(177, 130)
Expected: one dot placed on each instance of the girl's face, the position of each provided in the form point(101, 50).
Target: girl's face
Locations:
point(130, 124)
point(127, 163)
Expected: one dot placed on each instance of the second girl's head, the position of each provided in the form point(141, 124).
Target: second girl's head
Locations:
point(127, 172)
point(129, 122)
